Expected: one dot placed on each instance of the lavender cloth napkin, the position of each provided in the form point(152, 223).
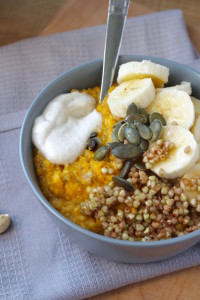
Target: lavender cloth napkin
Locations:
point(37, 260)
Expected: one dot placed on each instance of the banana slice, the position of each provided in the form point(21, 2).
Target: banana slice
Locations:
point(182, 157)
point(138, 91)
point(196, 128)
point(193, 173)
point(196, 103)
point(175, 106)
point(185, 86)
point(198, 161)
point(144, 69)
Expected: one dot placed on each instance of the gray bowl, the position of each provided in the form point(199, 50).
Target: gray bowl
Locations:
point(85, 76)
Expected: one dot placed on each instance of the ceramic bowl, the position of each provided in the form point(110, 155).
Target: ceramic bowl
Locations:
point(85, 76)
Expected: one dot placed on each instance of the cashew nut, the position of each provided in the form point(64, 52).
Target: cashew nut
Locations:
point(4, 222)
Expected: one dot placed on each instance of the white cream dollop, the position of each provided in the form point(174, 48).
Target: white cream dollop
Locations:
point(60, 133)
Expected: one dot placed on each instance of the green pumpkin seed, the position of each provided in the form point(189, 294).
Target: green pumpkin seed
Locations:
point(125, 169)
point(123, 183)
point(114, 145)
point(91, 144)
point(93, 134)
point(132, 109)
point(144, 144)
point(101, 153)
point(136, 117)
point(144, 131)
point(115, 131)
point(127, 151)
point(157, 116)
point(120, 122)
point(140, 167)
point(121, 136)
point(143, 111)
point(145, 118)
point(97, 140)
point(132, 125)
point(156, 127)
point(132, 135)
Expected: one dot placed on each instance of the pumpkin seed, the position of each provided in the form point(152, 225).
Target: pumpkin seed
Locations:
point(132, 125)
point(140, 167)
point(97, 140)
point(121, 136)
point(145, 118)
point(4, 222)
point(123, 183)
point(157, 116)
point(156, 127)
point(114, 145)
point(132, 135)
point(136, 117)
point(144, 144)
point(127, 151)
point(144, 131)
point(91, 144)
point(132, 109)
point(120, 122)
point(93, 134)
point(101, 153)
point(143, 111)
point(115, 131)
point(125, 169)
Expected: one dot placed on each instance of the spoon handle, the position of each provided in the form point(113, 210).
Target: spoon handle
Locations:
point(117, 13)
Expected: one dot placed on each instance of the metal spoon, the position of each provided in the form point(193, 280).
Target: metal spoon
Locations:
point(117, 12)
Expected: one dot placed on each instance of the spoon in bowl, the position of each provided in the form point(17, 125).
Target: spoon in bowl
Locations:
point(117, 12)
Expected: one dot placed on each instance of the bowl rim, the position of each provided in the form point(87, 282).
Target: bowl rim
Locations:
point(57, 214)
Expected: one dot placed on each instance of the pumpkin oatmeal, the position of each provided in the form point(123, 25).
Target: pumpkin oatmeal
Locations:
point(138, 176)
